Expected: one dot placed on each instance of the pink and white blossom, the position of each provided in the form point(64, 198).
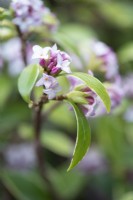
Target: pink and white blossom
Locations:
point(32, 13)
point(63, 64)
point(51, 85)
point(51, 59)
point(108, 58)
point(52, 90)
point(46, 81)
point(108, 61)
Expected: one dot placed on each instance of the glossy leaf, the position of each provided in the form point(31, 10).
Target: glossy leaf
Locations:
point(83, 136)
point(27, 81)
point(96, 86)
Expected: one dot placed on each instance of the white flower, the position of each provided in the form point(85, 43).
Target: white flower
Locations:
point(54, 50)
point(46, 80)
point(39, 52)
point(100, 48)
point(51, 85)
point(52, 91)
point(63, 64)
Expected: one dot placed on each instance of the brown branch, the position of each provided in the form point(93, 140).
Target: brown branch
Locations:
point(23, 45)
point(39, 149)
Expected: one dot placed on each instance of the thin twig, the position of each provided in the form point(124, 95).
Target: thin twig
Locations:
point(39, 148)
point(23, 45)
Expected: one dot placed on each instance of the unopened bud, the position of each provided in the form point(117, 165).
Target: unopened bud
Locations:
point(77, 97)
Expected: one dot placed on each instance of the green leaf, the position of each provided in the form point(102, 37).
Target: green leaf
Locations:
point(57, 142)
point(24, 186)
point(96, 86)
point(127, 196)
point(83, 136)
point(27, 81)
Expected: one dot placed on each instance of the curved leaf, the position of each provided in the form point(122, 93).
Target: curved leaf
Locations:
point(27, 81)
point(83, 136)
point(96, 86)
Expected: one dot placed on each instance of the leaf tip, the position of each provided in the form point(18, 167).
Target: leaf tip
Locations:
point(70, 167)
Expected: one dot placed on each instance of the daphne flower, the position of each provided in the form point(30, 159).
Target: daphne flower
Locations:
point(46, 81)
point(63, 64)
point(52, 90)
point(51, 85)
point(52, 60)
point(26, 13)
point(54, 51)
point(39, 52)
point(108, 58)
point(31, 13)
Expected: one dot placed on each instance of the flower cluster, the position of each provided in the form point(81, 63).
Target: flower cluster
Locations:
point(83, 95)
point(108, 59)
point(53, 61)
point(103, 59)
point(30, 13)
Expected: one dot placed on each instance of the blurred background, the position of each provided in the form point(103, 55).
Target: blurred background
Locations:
point(106, 172)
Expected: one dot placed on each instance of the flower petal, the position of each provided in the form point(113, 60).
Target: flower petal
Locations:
point(50, 92)
point(37, 51)
point(40, 82)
